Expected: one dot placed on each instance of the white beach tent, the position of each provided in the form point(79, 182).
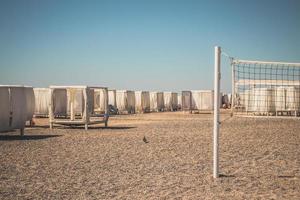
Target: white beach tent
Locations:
point(142, 101)
point(125, 101)
point(13, 108)
point(171, 101)
point(157, 101)
point(80, 106)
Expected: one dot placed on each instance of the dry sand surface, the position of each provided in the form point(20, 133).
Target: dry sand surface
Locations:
point(260, 159)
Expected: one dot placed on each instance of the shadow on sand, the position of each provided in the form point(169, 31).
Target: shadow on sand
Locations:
point(226, 176)
point(286, 176)
point(26, 137)
point(38, 126)
point(100, 127)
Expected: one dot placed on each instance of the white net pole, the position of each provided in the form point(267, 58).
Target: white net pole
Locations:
point(216, 112)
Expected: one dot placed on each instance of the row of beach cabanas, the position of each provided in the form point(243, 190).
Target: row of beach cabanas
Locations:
point(277, 100)
point(125, 101)
point(79, 105)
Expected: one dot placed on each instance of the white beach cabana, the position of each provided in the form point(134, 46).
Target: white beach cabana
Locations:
point(75, 117)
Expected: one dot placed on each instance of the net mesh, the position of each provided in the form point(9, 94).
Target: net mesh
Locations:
point(266, 88)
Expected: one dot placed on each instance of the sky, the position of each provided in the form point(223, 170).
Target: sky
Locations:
point(141, 45)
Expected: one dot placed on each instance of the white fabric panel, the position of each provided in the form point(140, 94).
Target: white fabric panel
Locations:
point(160, 100)
point(186, 103)
point(30, 102)
point(18, 107)
point(293, 98)
point(280, 98)
point(174, 101)
point(100, 100)
point(203, 99)
point(179, 100)
point(91, 100)
point(125, 101)
point(171, 101)
point(262, 100)
point(156, 101)
point(42, 101)
point(75, 96)
point(142, 101)
point(60, 101)
point(168, 101)
point(112, 98)
point(4, 109)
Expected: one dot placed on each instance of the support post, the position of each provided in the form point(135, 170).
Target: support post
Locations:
point(216, 112)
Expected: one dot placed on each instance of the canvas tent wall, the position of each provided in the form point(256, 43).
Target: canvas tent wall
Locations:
point(157, 101)
point(142, 101)
point(171, 101)
point(203, 99)
point(280, 98)
point(100, 96)
point(112, 98)
point(80, 104)
point(125, 101)
point(30, 102)
point(261, 100)
point(186, 97)
point(13, 108)
point(42, 102)
point(76, 97)
point(293, 98)
point(179, 101)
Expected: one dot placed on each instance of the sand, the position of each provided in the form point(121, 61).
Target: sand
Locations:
point(260, 159)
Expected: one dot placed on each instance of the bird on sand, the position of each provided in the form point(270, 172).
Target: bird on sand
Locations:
point(145, 140)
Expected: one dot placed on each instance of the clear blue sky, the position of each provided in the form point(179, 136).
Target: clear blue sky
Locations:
point(150, 45)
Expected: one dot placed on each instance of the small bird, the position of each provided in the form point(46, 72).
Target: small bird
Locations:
point(145, 140)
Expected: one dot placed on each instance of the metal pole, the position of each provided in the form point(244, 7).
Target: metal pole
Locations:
point(216, 112)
